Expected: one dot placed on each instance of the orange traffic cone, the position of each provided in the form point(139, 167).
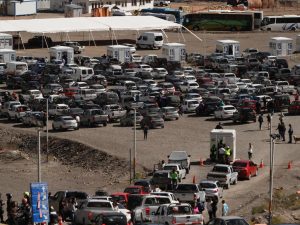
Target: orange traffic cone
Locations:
point(201, 162)
point(261, 165)
point(289, 165)
point(194, 180)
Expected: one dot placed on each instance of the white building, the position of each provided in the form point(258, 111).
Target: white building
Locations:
point(126, 5)
point(17, 8)
point(281, 46)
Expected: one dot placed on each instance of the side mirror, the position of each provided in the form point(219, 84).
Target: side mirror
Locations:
point(189, 155)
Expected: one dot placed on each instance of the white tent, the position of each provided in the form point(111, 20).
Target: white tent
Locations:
point(86, 24)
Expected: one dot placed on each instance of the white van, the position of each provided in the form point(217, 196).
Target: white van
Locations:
point(151, 40)
point(82, 73)
point(16, 68)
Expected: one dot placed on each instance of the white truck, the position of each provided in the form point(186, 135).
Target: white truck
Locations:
point(148, 207)
point(114, 112)
point(176, 214)
point(182, 158)
point(178, 168)
point(224, 174)
point(189, 193)
point(16, 112)
point(285, 87)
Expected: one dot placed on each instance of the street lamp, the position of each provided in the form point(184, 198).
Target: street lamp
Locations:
point(134, 107)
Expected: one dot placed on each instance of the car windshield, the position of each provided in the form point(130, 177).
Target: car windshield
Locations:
point(229, 108)
point(207, 185)
point(236, 222)
point(132, 190)
point(187, 187)
point(170, 167)
point(67, 118)
point(221, 169)
point(99, 205)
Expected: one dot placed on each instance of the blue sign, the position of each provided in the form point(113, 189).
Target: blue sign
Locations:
point(39, 202)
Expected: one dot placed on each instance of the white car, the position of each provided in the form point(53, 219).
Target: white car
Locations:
point(58, 109)
point(17, 112)
point(225, 112)
point(159, 73)
point(65, 123)
point(190, 78)
point(212, 188)
point(132, 47)
point(189, 105)
point(187, 86)
point(193, 96)
point(136, 58)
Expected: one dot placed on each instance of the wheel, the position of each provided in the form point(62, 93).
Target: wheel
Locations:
point(269, 29)
point(187, 170)
point(104, 124)
point(235, 181)
point(293, 29)
point(233, 29)
point(60, 128)
point(249, 177)
point(90, 124)
point(196, 28)
point(53, 128)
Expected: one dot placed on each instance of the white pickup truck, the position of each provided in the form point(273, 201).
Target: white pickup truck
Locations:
point(17, 111)
point(114, 112)
point(285, 87)
point(189, 193)
point(148, 207)
point(224, 174)
point(182, 158)
point(178, 168)
point(176, 214)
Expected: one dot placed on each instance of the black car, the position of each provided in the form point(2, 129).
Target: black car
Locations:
point(110, 218)
point(30, 85)
point(39, 42)
point(229, 220)
point(244, 115)
point(30, 76)
point(49, 79)
point(14, 82)
point(209, 106)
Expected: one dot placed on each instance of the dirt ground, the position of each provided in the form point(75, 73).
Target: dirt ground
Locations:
point(99, 157)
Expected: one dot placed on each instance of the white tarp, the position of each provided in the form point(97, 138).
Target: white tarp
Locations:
point(85, 24)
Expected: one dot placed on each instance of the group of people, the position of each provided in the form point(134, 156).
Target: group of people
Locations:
point(211, 205)
point(16, 214)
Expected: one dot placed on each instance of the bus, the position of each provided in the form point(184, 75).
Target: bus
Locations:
point(258, 15)
point(177, 13)
point(281, 23)
point(216, 21)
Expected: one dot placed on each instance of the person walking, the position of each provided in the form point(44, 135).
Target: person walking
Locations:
point(225, 208)
point(221, 155)
point(200, 206)
point(250, 151)
point(214, 206)
point(269, 121)
point(209, 208)
point(260, 121)
point(146, 129)
point(283, 131)
point(290, 131)
point(281, 117)
point(219, 126)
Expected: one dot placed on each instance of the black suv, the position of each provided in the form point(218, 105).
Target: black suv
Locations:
point(244, 115)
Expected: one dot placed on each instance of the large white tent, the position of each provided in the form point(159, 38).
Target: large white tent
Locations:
point(87, 24)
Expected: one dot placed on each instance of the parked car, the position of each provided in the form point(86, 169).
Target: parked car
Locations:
point(244, 115)
point(65, 123)
point(212, 188)
point(128, 119)
point(92, 117)
point(178, 168)
point(225, 112)
point(110, 218)
point(294, 108)
point(228, 220)
point(170, 113)
point(75, 45)
point(153, 121)
point(224, 174)
point(245, 168)
point(40, 42)
point(182, 158)
point(34, 118)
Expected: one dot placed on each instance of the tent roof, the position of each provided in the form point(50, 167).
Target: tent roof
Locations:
point(84, 24)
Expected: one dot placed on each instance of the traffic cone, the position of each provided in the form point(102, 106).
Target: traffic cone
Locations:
point(289, 165)
point(261, 165)
point(201, 162)
point(194, 180)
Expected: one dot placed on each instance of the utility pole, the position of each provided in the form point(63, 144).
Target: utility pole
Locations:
point(39, 155)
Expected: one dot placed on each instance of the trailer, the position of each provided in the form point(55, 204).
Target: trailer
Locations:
point(7, 55)
point(281, 46)
point(119, 52)
point(63, 53)
point(225, 136)
point(174, 52)
point(228, 47)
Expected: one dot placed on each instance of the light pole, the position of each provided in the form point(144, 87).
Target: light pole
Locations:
point(47, 129)
point(134, 144)
point(39, 155)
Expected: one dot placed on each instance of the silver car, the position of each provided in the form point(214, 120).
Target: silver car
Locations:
point(65, 123)
point(212, 188)
point(170, 113)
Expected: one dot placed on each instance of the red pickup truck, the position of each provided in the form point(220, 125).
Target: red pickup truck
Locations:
point(136, 189)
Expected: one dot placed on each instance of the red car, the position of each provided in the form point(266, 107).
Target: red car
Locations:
point(120, 197)
point(245, 168)
point(136, 189)
point(294, 107)
point(248, 104)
